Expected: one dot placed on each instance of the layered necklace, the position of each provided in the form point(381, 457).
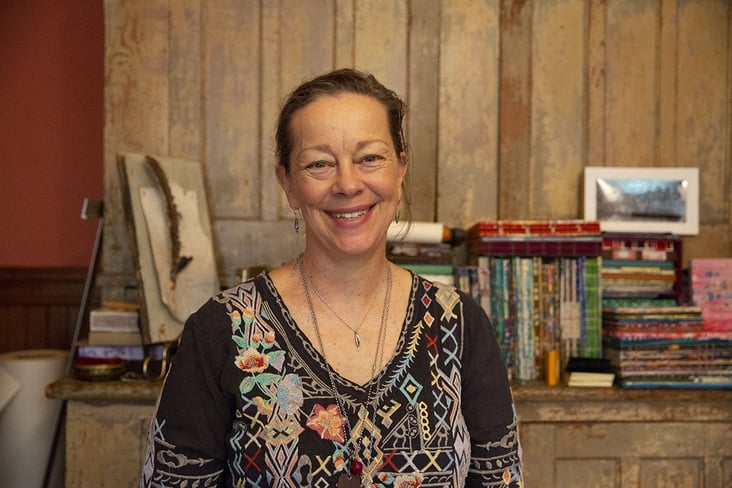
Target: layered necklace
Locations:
point(352, 478)
point(356, 337)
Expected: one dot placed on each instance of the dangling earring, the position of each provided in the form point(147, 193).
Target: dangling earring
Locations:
point(397, 215)
point(296, 225)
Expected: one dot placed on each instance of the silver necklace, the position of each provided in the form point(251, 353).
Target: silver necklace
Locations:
point(356, 336)
point(353, 478)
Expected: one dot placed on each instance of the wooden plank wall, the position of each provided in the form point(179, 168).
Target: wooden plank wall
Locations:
point(39, 307)
point(510, 100)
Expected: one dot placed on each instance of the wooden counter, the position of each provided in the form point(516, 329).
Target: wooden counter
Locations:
point(571, 437)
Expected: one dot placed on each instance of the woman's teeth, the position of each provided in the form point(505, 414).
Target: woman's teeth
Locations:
point(351, 215)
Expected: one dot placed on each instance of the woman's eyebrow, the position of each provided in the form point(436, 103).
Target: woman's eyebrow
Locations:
point(362, 144)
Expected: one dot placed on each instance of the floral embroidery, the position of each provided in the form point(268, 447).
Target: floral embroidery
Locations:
point(327, 422)
point(339, 460)
point(398, 481)
point(408, 481)
point(289, 394)
point(252, 361)
point(263, 406)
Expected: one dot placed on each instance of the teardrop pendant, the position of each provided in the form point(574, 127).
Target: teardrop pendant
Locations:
point(357, 338)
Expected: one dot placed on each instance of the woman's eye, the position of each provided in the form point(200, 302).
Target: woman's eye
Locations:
point(320, 169)
point(371, 158)
point(317, 165)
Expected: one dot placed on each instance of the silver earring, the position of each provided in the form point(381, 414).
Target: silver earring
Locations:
point(397, 215)
point(296, 225)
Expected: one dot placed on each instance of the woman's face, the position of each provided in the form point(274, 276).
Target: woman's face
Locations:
point(345, 175)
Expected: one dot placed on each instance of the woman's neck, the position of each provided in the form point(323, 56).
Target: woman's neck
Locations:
point(349, 281)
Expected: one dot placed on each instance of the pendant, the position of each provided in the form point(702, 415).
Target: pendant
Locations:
point(347, 480)
point(357, 338)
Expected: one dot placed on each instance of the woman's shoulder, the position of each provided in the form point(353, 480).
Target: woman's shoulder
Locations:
point(238, 297)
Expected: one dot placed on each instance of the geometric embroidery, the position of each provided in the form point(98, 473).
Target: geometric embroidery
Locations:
point(415, 434)
point(411, 389)
point(281, 431)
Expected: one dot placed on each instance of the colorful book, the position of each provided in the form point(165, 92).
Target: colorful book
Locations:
point(711, 289)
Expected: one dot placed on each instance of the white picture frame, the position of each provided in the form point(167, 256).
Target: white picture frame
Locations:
point(643, 200)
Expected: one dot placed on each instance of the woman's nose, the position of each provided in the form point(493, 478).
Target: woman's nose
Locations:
point(347, 181)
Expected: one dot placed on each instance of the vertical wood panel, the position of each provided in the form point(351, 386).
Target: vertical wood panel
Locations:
point(380, 41)
point(667, 155)
point(307, 35)
point(631, 36)
point(136, 105)
point(596, 85)
point(557, 109)
point(231, 94)
point(468, 112)
point(272, 200)
point(185, 80)
point(39, 307)
point(422, 129)
point(703, 118)
point(704, 103)
point(515, 109)
point(344, 56)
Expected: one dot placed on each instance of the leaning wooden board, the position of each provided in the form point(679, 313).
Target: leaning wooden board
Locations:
point(167, 297)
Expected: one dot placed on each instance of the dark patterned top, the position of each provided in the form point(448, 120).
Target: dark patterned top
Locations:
point(248, 401)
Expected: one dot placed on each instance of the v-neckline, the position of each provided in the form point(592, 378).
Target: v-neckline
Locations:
point(317, 362)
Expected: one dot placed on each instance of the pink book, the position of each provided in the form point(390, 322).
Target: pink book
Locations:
point(711, 289)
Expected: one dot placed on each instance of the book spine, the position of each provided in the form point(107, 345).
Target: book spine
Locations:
point(593, 308)
point(484, 284)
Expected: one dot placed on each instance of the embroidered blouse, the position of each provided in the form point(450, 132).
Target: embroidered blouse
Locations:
point(248, 401)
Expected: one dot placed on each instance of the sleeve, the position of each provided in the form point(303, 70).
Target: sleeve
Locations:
point(193, 415)
point(488, 407)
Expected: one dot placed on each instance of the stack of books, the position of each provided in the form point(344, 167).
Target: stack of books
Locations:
point(641, 269)
point(666, 347)
point(115, 325)
point(114, 332)
point(539, 282)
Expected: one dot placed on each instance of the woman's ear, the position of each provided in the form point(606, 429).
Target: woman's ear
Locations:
point(286, 185)
point(403, 166)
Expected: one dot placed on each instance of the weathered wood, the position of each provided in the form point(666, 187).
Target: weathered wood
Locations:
point(422, 128)
point(607, 435)
point(596, 87)
point(185, 80)
point(380, 41)
point(468, 112)
point(558, 100)
point(136, 116)
point(105, 443)
point(509, 101)
point(515, 109)
point(231, 94)
point(165, 306)
point(630, 78)
point(39, 307)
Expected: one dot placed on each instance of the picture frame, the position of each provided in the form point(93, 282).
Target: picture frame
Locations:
point(643, 200)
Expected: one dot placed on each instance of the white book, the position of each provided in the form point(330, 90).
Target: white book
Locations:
point(106, 320)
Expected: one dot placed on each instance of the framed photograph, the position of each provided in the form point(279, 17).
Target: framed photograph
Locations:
point(658, 200)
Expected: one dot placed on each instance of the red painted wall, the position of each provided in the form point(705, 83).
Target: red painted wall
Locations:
point(51, 129)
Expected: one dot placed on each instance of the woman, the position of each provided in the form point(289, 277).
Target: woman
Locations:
point(338, 368)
